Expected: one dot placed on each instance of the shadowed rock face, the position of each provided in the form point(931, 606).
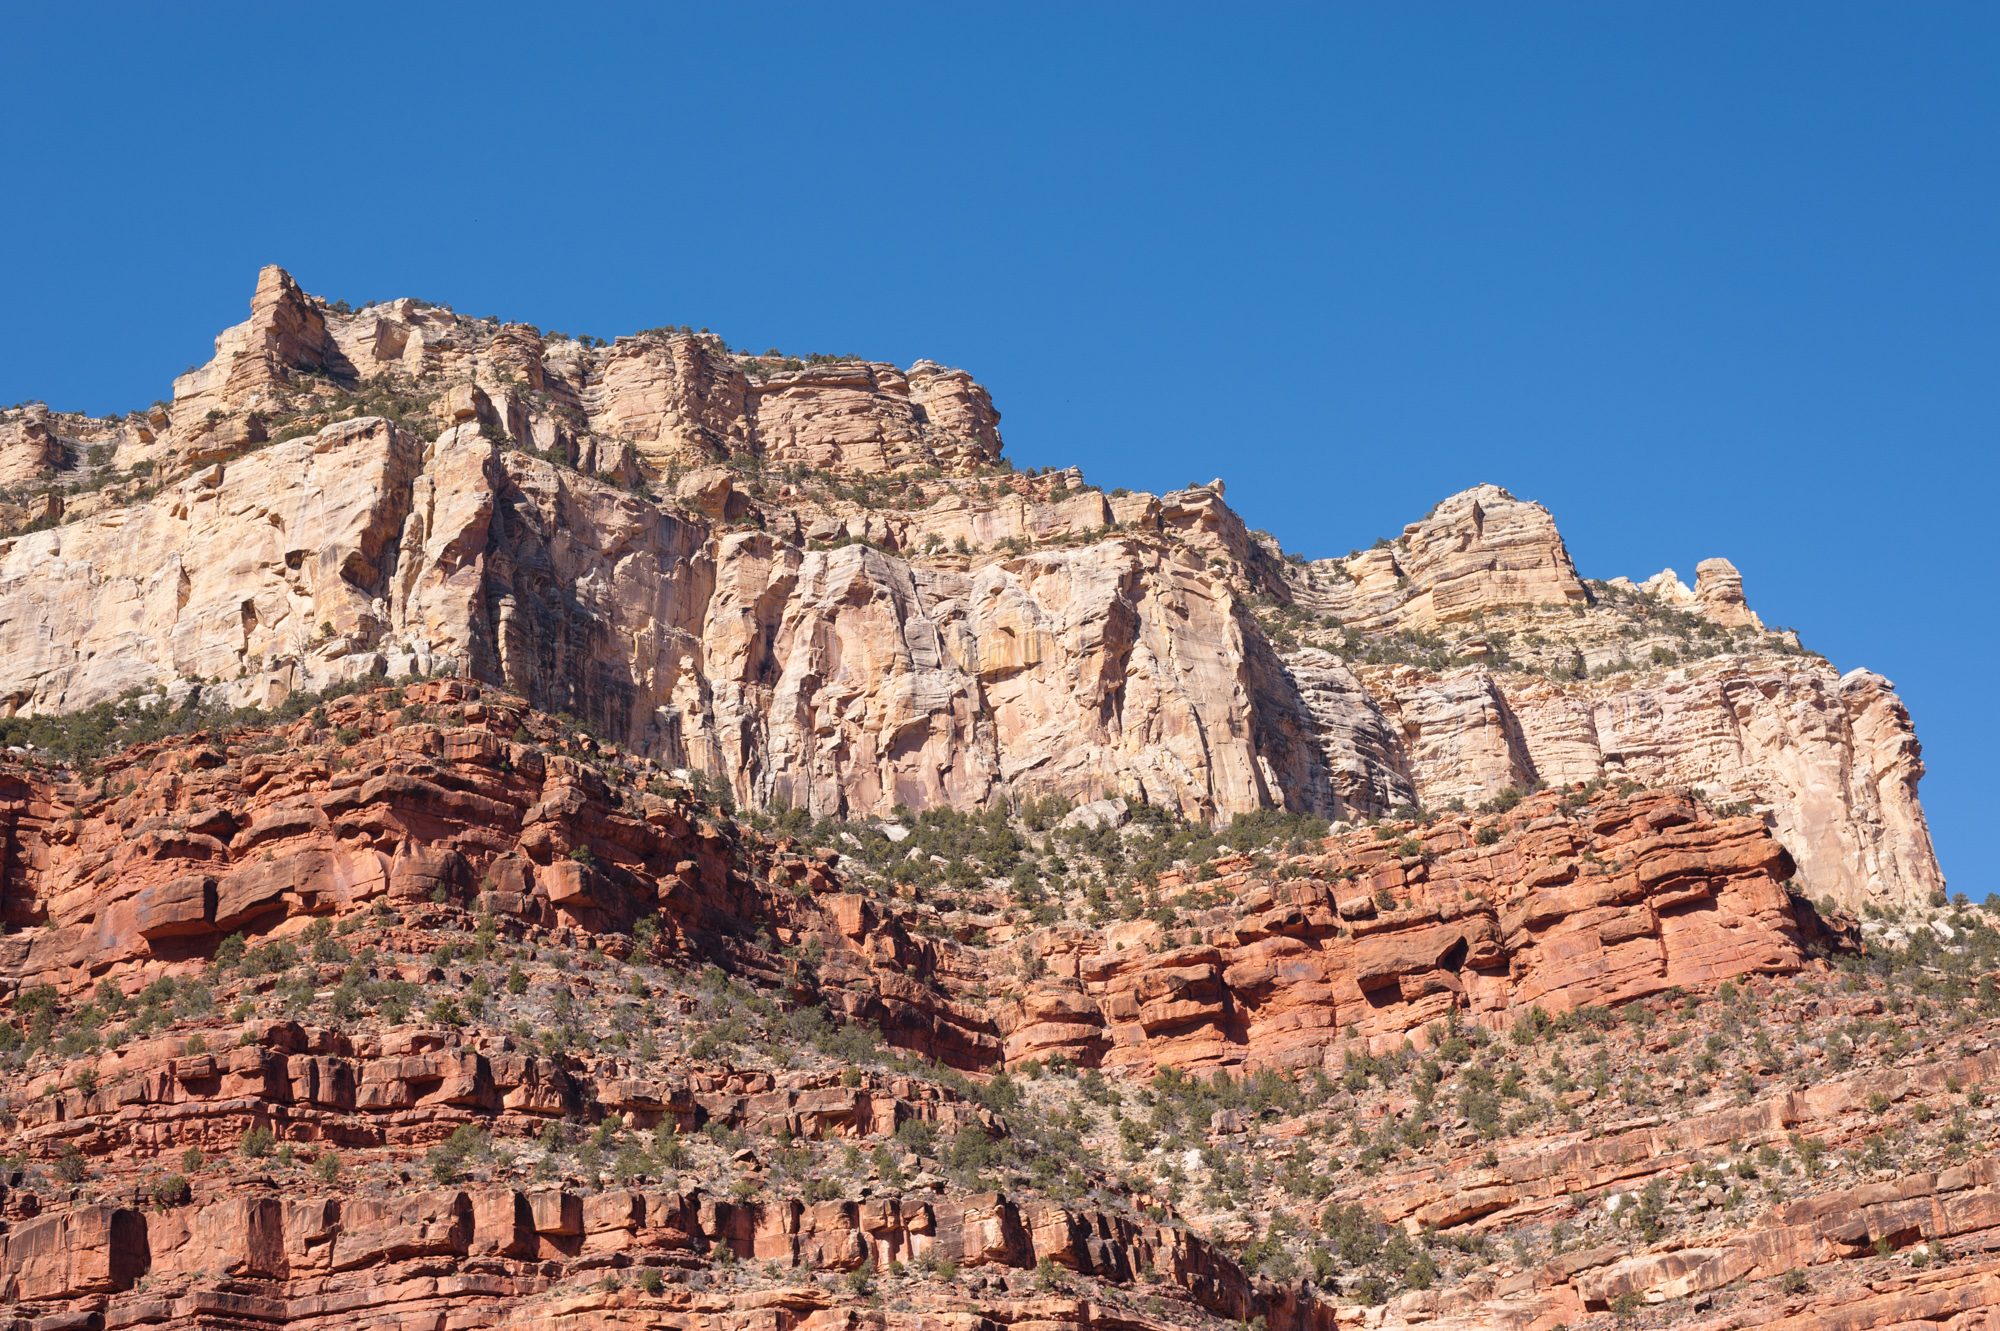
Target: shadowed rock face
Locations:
point(819, 584)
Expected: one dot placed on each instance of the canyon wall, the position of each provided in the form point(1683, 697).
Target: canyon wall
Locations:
point(819, 583)
point(426, 1007)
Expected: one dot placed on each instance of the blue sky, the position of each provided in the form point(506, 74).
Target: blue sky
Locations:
point(1703, 278)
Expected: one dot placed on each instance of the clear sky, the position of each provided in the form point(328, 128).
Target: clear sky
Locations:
point(1703, 278)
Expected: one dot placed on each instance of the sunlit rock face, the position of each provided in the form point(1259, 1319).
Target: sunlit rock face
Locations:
point(817, 581)
point(494, 998)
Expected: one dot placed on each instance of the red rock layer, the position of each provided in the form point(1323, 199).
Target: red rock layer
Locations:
point(174, 846)
point(470, 1257)
point(445, 800)
point(1374, 938)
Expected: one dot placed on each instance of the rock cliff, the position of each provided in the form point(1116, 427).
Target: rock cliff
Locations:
point(422, 1007)
point(818, 582)
point(503, 829)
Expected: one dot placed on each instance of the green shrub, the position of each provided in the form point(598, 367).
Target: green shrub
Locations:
point(138, 718)
point(447, 1161)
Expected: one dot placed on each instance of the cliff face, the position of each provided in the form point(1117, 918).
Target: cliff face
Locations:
point(1032, 987)
point(819, 583)
point(1477, 660)
point(427, 1009)
point(1374, 940)
point(381, 825)
point(840, 679)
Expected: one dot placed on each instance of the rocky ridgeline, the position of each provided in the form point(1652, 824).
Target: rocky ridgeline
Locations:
point(820, 584)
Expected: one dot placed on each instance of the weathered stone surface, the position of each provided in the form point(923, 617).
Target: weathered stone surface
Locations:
point(286, 332)
point(1478, 551)
point(848, 602)
point(71, 1254)
point(422, 820)
point(1364, 939)
point(1833, 758)
point(1718, 590)
point(30, 450)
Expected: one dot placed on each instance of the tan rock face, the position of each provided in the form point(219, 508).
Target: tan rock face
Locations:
point(233, 574)
point(679, 402)
point(847, 603)
point(1718, 590)
point(1479, 550)
point(1831, 759)
point(1367, 763)
point(286, 332)
point(1462, 740)
point(842, 680)
point(1485, 550)
point(29, 449)
point(1718, 704)
point(863, 418)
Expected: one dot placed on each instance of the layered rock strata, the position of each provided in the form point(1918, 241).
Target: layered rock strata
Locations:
point(820, 584)
point(422, 840)
point(1375, 940)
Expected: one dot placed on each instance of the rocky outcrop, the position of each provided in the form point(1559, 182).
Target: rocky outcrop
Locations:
point(1480, 550)
point(323, 1262)
point(470, 807)
point(1796, 1247)
point(1555, 904)
point(850, 681)
point(1718, 590)
point(1377, 939)
point(272, 573)
point(422, 804)
point(286, 334)
point(1831, 760)
point(30, 451)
